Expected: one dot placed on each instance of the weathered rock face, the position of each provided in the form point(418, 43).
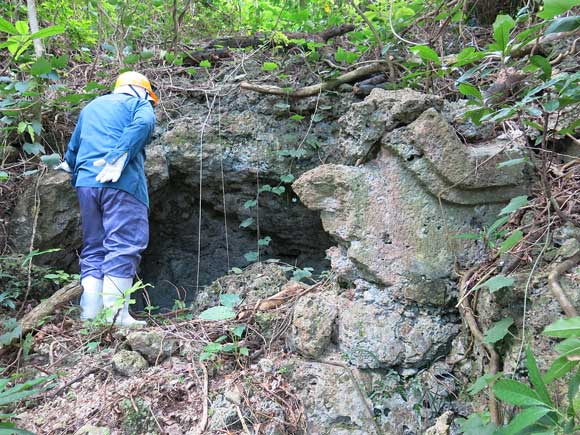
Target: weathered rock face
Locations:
point(397, 215)
point(394, 217)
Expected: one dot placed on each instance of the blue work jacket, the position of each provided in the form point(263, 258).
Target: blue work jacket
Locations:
point(108, 127)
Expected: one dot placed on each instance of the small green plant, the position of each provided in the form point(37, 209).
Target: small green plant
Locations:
point(221, 345)
point(494, 236)
point(107, 313)
point(61, 277)
point(538, 412)
point(11, 393)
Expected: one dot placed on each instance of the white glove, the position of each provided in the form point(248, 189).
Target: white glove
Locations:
point(64, 167)
point(111, 171)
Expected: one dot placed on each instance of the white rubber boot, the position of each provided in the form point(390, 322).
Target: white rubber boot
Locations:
point(92, 297)
point(113, 290)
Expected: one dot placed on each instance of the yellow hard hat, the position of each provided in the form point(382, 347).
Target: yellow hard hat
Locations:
point(136, 79)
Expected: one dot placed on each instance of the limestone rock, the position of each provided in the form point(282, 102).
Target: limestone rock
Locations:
point(331, 401)
point(382, 111)
point(312, 323)
point(58, 223)
point(430, 148)
point(441, 426)
point(374, 336)
point(256, 282)
point(394, 231)
point(151, 345)
point(128, 363)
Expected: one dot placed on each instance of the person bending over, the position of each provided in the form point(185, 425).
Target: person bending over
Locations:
point(106, 156)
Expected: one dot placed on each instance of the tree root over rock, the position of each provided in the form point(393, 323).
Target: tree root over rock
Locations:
point(469, 317)
point(557, 290)
point(309, 91)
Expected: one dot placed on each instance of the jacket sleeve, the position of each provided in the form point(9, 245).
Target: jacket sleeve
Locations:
point(73, 146)
point(136, 135)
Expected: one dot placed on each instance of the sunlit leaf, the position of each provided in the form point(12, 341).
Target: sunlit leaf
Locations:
point(511, 241)
point(553, 8)
point(515, 204)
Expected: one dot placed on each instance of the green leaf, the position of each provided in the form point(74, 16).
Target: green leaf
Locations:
point(515, 204)
point(542, 63)
point(556, 7)
point(468, 55)
point(131, 59)
point(265, 241)
point(282, 106)
point(469, 90)
point(498, 331)
point(469, 236)
point(524, 419)
point(342, 55)
point(498, 282)
point(47, 31)
point(22, 127)
point(33, 148)
point(41, 66)
point(237, 270)
point(564, 328)
point(218, 313)
point(229, 299)
point(244, 351)
point(501, 31)
point(512, 162)
point(297, 117)
point(511, 241)
point(250, 203)
point(482, 382)
point(573, 387)
point(251, 256)
point(4, 176)
point(247, 222)
point(288, 178)
point(238, 331)
point(205, 64)
point(51, 160)
point(7, 27)
point(560, 367)
point(536, 378)
point(569, 347)
point(278, 190)
point(565, 24)
point(426, 54)
point(476, 425)
point(22, 27)
point(516, 393)
point(269, 66)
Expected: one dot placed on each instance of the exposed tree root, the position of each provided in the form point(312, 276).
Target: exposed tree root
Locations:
point(48, 306)
point(471, 321)
point(309, 91)
point(533, 46)
point(557, 290)
point(261, 38)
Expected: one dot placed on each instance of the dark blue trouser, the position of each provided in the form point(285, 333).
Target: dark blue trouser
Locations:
point(115, 232)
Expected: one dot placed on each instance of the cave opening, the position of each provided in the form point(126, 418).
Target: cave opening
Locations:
point(176, 254)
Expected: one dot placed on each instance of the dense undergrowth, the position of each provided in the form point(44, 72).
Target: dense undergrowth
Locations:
point(516, 63)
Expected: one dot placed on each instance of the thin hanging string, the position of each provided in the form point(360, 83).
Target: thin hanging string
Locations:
point(201, 189)
point(223, 179)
